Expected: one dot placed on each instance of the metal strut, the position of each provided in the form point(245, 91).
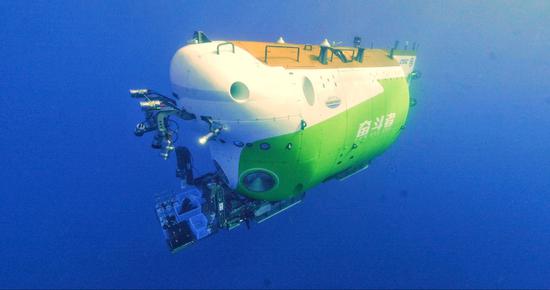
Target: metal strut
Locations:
point(158, 109)
point(214, 129)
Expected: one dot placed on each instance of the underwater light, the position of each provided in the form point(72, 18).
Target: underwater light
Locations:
point(205, 138)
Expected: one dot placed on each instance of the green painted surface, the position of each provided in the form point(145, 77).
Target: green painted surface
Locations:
point(330, 147)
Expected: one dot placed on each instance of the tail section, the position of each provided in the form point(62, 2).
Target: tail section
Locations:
point(406, 58)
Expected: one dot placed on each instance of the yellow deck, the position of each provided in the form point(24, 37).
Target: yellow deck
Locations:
point(299, 56)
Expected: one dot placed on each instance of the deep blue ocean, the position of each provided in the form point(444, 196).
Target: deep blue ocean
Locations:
point(461, 200)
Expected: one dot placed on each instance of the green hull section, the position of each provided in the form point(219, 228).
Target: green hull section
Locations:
point(335, 147)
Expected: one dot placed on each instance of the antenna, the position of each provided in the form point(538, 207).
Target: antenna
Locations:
point(396, 44)
point(356, 41)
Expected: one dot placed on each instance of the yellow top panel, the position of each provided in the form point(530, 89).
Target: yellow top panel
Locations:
point(306, 56)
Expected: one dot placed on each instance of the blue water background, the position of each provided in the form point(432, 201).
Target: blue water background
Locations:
point(462, 199)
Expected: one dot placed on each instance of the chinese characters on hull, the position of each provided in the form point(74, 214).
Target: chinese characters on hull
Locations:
point(372, 126)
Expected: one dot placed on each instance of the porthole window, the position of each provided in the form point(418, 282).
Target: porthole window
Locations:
point(239, 92)
point(259, 181)
point(309, 93)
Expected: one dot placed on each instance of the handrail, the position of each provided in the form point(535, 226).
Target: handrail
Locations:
point(225, 43)
point(282, 46)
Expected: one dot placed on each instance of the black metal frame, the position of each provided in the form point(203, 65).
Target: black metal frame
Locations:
point(342, 50)
point(282, 46)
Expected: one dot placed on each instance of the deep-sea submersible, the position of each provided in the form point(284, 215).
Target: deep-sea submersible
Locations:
point(278, 118)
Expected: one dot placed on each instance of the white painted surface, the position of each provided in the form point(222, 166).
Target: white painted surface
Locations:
point(276, 105)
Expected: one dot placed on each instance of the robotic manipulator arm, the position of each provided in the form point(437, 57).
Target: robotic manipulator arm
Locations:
point(157, 110)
